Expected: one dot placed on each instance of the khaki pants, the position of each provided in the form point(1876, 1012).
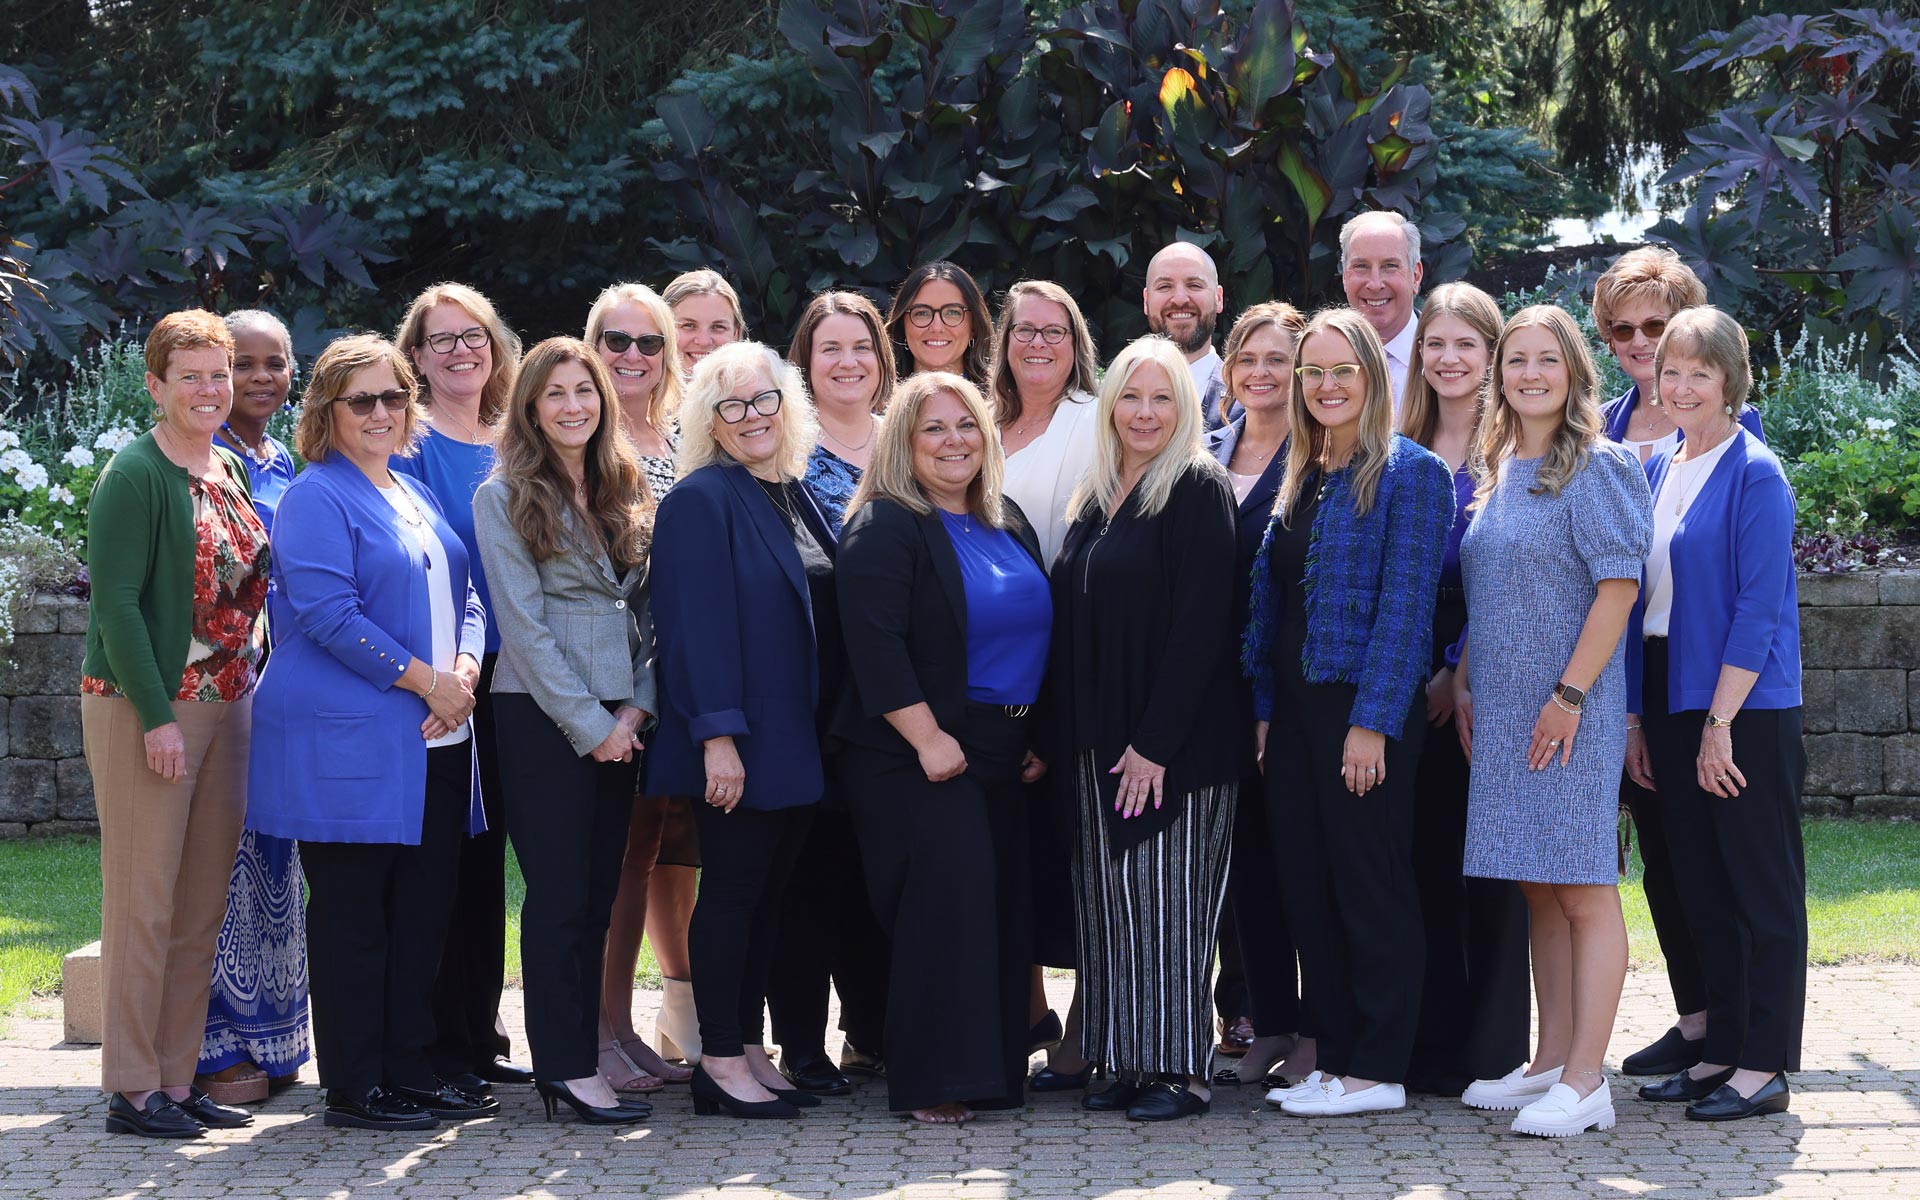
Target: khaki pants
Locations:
point(166, 853)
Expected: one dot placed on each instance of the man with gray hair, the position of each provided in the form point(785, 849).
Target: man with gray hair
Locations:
point(1183, 298)
point(1380, 271)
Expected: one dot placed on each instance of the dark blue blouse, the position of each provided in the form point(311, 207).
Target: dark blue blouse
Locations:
point(832, 480)
point(1009, 612)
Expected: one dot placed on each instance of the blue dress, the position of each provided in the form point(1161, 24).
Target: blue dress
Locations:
point(257, 1010)
point(1532, 565)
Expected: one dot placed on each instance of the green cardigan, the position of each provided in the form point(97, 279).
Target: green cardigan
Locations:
point(141, 548)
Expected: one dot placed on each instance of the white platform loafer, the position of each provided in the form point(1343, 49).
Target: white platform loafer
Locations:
point(1335, 1100)
point(1309, 1086)
point(1516, 1089)
point(1563, 1112)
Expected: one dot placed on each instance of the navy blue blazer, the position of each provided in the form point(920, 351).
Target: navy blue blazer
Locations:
point(735, 648)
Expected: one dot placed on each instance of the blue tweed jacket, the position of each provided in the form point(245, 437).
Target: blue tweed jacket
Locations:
point(1370, 586)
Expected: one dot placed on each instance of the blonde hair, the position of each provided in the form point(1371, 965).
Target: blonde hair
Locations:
point(336, 366)
point(845, 304)
point(1307, 443)
point(617, 514)
point(714, 378)
point(889, 474)
point(1001, 392)
point(1651, 273)
point(1419, 406)
point(1272, 314)
point(1580, 428)
point(1709, 335)
point(704, 282)
point(666, 390)
point(412, 335)
point(1099, 489)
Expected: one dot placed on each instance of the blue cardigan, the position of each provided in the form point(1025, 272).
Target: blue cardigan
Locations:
point(337, 754)
point(1734, 596)
point(734, 641)
point(1619, 411)
point(1370, 585)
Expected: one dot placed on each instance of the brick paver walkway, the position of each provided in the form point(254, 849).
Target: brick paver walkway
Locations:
point(1854, 1131)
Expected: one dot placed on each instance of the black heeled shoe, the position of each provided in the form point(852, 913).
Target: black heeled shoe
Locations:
point(1163, 1101)
point(1046, 1033)
point(1725, 1104)
point(710, 1098)
point(626, 1112)
point(795, 1097)
point(1674, 1052)
point(1046, 1079)
point(1681, 1086)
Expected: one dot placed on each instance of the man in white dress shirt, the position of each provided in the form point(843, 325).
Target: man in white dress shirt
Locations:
point(1183, 298)
point(1380, 270)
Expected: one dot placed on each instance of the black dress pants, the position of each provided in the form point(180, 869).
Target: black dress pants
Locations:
point(946, 868)
point(568, 818)
point(746, 857)
point(1351, 903)
point(1256, 908)
point(466, 992)
point(377, 916)
point(1663, 898)
point(828, 937)
point(1744, 886)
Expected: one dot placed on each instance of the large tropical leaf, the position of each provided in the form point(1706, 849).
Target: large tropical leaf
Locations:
point(1885, 266)
point(71, 158)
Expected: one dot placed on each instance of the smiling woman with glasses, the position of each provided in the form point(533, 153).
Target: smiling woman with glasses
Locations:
point(939, 322)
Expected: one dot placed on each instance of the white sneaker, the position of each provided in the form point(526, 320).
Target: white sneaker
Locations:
point(1335, 1100)
point(1515, 1089)
point(1563, 1112)
point(1309, 1086)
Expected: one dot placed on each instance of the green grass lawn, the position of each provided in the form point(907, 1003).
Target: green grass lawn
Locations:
point(1863, 903)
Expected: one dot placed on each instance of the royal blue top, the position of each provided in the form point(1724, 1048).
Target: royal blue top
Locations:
point(268, 479)
point(1619, 411)
point(1462, 496)
point(1734, 597)
point(453, 471)
point(1009, 612)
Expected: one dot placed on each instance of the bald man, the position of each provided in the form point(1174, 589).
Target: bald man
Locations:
point(1380, 270)
point(1183, 298)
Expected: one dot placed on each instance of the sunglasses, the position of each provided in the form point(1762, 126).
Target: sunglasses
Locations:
point(649, 344)
point(950, 315)
point(361, 403)
point(475, 338)
point(733, 412)
point(1623, 331)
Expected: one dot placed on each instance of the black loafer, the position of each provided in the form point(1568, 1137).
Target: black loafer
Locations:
point(468, 1082)
point(1674, 1052)
point(1046, 1079)
point(1162, 1101)
point(1725, 1104)
point(499, 1070)
point(817, 1075)
point(448, 1102)
point(159, 1117)
point(376, 1108)
point(1118, 1098)
point(202, 1108)
point(1046, 1033)
point(1682, 1087)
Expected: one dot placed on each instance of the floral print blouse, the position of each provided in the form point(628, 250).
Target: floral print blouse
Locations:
point(229, 590)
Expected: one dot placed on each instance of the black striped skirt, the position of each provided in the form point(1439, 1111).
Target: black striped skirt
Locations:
point(1147, 922)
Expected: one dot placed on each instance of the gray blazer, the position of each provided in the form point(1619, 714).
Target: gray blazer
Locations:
point(572, 632)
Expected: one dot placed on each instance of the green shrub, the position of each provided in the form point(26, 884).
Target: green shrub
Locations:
point(1821, 393)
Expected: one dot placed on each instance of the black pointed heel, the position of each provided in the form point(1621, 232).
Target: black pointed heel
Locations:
point(710, 1099)
point(627, 1112)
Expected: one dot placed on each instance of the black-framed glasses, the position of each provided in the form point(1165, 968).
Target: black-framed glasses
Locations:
point(361, 403)
point(1344, 374)
point(1052, 335)
point(1623, 331)
point(734, 411)
point(476, 338)
point(950, 315)
point(618, 341)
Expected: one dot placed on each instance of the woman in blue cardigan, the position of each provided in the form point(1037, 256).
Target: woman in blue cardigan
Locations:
point(362, 748)
point(1717, 681)
point(1337, 646)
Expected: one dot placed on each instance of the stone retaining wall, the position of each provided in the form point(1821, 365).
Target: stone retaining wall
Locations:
point(44, 785)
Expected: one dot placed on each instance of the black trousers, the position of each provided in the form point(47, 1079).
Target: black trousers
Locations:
point(1351, 904)
point(828, 937)
point(466, 992)
point(377, 916)
point(746, 857)
point(1256, 911)
point(1684, 975)
point(1744, 886)
point(946, 869)
point(1048, 804)
point(567, 815)
point(1475, 998)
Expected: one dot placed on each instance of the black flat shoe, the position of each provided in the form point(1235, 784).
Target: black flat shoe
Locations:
point(376, 1108)
point(1725, 1104)
point(816, 1075)
point(468, 1082)
point(1683, 1087)
point(1162, 1101)
point(204, 1109)
point(855, 1061)
point(1046, 1079)
point(710, 1098)
point(159, 1117)
point(625, 1112)
point(1118, 1098)
point(1674, 1052)
point(1046, 1033)
point(449, 1102)
point(499, 1070)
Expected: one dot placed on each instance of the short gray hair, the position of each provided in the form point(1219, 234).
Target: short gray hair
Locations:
point(259, 320)
point(1392, 218)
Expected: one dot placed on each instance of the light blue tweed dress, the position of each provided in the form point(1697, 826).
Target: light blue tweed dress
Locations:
point(1532, 566)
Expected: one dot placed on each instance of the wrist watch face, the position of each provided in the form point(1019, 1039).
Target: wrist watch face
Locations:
point(1572, 695)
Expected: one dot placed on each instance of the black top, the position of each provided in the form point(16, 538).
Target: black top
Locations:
point(1143, 648)
point(1288, 561)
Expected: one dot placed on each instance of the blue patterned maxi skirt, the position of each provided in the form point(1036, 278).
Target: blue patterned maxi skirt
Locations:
point(258, 1008)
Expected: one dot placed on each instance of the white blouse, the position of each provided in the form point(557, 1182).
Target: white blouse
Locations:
point(1041, 474)
point(1682, 483)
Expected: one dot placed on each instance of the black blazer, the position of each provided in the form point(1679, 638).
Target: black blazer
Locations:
point(903, 609)
point(1250, 527)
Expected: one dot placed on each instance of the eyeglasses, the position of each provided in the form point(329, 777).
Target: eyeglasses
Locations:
point(1344, 375)
point(476, 338)
point(733, 411)
point(1052, 335)
point(1623, 331)
point(950, 315)
point(618, 341)
point(361, 403)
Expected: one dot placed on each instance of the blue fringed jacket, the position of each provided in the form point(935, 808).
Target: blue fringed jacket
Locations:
point(1370, 586)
